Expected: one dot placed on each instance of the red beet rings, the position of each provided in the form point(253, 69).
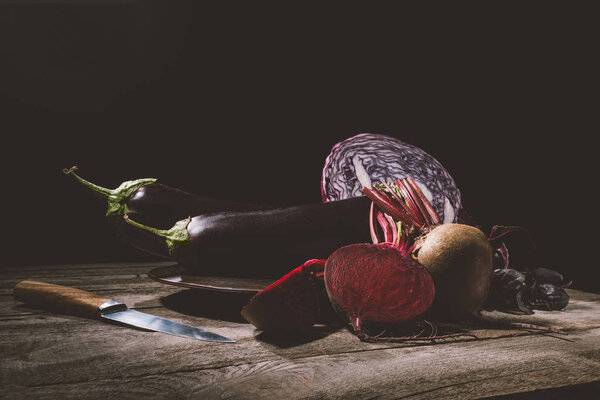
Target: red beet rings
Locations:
point(377, 283)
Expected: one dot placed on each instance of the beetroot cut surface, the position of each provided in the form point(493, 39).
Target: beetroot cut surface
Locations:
point(377, 283)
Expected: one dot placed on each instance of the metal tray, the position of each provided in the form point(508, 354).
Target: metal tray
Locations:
point(179, 276)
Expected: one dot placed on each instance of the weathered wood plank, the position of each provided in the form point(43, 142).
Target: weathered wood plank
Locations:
point(58, 336)
point(454, 370)
point(583, 311)
point(50, 355)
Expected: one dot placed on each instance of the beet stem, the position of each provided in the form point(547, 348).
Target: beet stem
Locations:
point(411, 207)
point(400, 201)
point(394, 227)
point(385, 226)
point(374, 237)
point(424, 201)
point(410, 200)
point(503, 250)
point(387, 206)
point(504, 230)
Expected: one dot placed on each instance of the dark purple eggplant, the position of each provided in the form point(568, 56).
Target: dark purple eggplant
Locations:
point(263, 243)
point(154, 204)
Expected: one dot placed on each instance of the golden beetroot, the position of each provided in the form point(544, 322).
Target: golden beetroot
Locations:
point(459, 259)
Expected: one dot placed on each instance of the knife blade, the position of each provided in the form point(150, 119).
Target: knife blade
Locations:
point(78, 302)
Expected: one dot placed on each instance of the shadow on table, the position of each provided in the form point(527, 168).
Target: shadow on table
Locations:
point(579, 391)
point(289, 339)
point(225, 306)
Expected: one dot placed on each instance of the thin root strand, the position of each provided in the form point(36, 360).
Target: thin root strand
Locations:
point(420, 336)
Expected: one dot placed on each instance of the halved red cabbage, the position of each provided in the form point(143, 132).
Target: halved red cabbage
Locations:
point(371, 158)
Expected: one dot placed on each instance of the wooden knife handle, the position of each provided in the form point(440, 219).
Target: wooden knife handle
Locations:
point(59, 298)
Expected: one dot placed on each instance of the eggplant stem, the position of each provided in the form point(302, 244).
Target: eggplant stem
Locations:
point(95, 188)
point(116, 198)
point(175, 237)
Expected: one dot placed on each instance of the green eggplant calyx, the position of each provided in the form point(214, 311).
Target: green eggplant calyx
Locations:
point(116, 198)
point(175, 237)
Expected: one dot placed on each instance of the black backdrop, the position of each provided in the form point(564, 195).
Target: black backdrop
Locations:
point(245, 102)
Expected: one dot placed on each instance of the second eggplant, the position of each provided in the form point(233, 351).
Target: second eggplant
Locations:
point(263, 243)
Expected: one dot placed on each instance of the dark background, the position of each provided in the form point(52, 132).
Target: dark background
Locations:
point(245, 101)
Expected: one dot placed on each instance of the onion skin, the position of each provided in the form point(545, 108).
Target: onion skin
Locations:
point(459, 259)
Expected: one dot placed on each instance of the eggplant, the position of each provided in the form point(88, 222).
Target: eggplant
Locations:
point(155, 204)
point(262, 243)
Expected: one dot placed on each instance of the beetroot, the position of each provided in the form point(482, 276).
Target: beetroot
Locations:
point(292, 304)
point(458, 257)
point(377, 283)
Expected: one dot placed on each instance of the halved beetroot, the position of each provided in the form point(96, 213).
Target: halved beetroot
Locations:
point(294, 303)
point(377, 283)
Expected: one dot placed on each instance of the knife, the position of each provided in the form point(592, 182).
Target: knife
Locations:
point(79, 302)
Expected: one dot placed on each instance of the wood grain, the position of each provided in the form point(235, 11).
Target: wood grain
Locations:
point(50, 355)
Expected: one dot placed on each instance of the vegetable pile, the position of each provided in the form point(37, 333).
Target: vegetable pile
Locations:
point(458, 257)
point(384, 249)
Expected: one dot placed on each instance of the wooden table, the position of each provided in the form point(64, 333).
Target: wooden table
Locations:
point(47, 355)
